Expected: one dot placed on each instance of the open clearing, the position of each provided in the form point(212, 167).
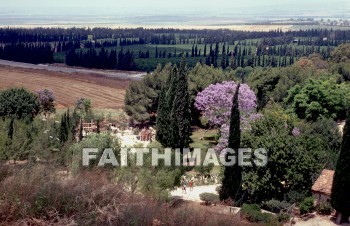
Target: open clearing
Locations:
point(104, 92)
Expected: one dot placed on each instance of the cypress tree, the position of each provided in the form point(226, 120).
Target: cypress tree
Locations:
point(173, 114)
point(98, 126)
point(10, 128)
point(231, 182)
point(340, 197)
point(63, 129)
point(81, 130)
point(171, 128)
point(164, 127)
point(163, 113)
point(180, 113)
point(69, 125)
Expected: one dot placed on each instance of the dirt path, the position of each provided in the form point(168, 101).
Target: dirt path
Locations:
point(194, 195)
point(315, 220)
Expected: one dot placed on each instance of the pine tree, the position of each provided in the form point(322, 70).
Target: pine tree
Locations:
point(231, 182)
point(340, 197)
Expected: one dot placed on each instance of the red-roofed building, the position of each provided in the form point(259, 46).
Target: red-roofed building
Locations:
point(322, 188)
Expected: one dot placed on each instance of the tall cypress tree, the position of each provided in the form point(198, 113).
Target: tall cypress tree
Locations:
point(63, 136)
point(340, 197)
point(180, 113)
point(173, 114)
point(170, 96)
point(163, 112)
point(231, 182)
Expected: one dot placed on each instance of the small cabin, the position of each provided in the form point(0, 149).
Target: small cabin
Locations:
point(322, 188)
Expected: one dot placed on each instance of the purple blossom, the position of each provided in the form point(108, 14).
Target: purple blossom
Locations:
point(216, 100)
point(215, 103)
point(46, 99)
point(296, 131)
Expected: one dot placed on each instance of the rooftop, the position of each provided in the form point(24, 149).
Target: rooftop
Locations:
point(324, 182)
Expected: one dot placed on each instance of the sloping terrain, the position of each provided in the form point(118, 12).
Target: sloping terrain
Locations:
point(104, 92)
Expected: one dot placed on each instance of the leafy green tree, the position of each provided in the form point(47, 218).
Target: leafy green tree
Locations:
point(153, 181)
point(18, 103)
point(296, 153)
point(141, 97)
point(340, 197)
point(232, 180)
point(271, 84)
point(99, 141)
point(84, 107)
point(320, 98)
point(341, 53)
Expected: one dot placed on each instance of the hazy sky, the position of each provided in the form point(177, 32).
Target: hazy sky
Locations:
point(201, 4)
point(158, 7)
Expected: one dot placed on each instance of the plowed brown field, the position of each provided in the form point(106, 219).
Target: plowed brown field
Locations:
point(104, 92)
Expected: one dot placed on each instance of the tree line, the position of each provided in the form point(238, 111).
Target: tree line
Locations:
point(160, 36)
point(28, 53)
point(103, 59)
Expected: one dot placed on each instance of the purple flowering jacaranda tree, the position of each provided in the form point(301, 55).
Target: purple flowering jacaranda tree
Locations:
point(215, 103)
point(46, 99)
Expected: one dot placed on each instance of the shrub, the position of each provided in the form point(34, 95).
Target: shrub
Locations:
point(38, 196)
point(252, 212)
point(295, 196)
point(283, 217)
point(209, 198)
point(324, 208)
point(275, 206)
point(307, 205)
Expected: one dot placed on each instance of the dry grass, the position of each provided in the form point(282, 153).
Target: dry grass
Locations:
point(35, 196)
point(104, 92)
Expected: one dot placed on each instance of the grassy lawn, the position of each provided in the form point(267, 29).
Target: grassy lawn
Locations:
point(113, 114)
point(203, 138)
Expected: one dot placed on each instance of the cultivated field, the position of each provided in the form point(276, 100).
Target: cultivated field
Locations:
point(104, 92)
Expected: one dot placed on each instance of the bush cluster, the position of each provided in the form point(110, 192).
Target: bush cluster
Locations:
point(42, 195)
point(324, 208)
point(209, 198)
point(275, 206)
point(252, 212)
point(307, 205)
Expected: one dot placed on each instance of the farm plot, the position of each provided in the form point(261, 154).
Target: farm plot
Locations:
point(104, 92)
